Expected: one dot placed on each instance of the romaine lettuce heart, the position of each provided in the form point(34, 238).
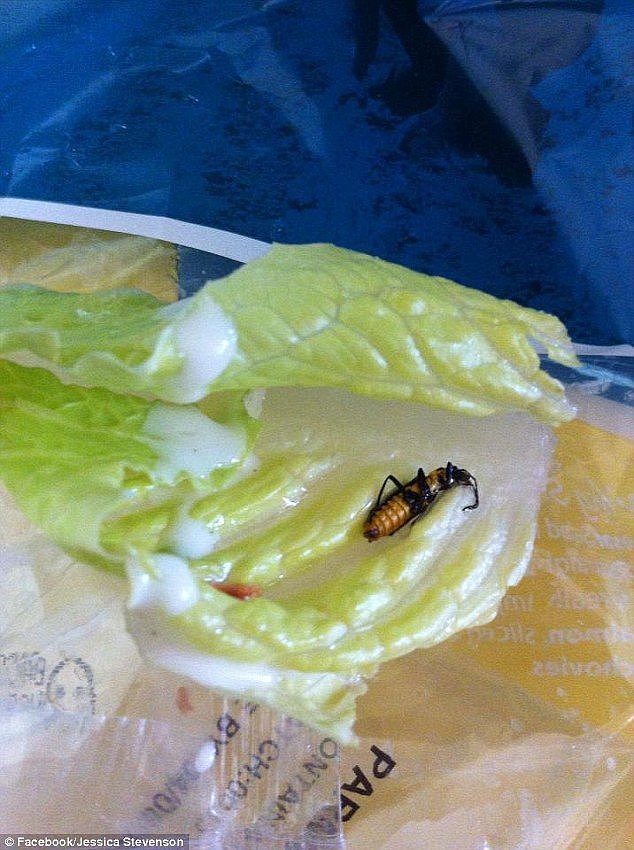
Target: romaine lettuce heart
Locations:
point(103, 449)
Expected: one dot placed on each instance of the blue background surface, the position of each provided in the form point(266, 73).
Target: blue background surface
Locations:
point(511, 172)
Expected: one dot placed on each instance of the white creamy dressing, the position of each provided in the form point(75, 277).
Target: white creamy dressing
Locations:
point(172, 587)
point(207, 340)
point(190, 538)
point(188, 441)
point(200, 333)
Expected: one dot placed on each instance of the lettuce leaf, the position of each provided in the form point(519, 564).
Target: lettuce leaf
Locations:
point(78, 259)
point(101, 472)
point(126, 341)
point(317, 315)
point(311, 315)
point(333, 606)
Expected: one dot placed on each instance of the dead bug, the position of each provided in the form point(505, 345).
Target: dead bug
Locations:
point(409, 501)
point(237, 589)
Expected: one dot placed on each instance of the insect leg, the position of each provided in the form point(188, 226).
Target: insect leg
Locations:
point(425, 498)
point(377, 504)
point(417, 516)
point(421, 480)
point(394, 480)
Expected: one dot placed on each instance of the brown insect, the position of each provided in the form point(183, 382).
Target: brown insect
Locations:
point(410, 501)
point(237, 589)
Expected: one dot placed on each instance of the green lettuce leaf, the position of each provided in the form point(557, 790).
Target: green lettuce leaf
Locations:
point(311, 315)
point(333, 607)
point(317, 315)
point(102, 472)
point(126, 341)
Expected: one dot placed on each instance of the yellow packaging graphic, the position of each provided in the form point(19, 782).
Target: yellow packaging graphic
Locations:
point(566, 632)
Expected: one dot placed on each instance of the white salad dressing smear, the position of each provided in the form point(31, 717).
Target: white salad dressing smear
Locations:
point(170, 586)
point(188, 441)
point(206, 339)
point(163, 648)
point(190, 538)
point(198, 330)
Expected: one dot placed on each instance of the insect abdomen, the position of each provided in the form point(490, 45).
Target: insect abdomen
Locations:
point(388, 518)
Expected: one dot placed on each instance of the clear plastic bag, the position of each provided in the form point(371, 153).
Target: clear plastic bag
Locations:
point(242, 779)
point(483, 141)
point(512, 735)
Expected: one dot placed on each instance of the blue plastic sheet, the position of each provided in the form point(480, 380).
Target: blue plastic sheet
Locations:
point(488, 142)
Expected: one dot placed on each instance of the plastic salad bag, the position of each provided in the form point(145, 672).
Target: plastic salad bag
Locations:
point(506, 167)
point(92, 740)
point(484, 142)
point(164, 754)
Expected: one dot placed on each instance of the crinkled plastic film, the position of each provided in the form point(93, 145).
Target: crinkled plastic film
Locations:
point(496, 151)
point(483, 140)
point(240, 780)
